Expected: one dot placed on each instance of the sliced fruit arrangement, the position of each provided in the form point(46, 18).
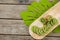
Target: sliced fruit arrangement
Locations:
point(46, 23)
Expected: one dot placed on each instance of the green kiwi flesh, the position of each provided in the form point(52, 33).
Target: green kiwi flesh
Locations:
point(48, 23)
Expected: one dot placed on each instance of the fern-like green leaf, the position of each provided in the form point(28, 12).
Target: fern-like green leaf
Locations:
point(35, 10)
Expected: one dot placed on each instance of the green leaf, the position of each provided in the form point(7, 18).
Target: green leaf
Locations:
point(57, 29)
point(35, 10)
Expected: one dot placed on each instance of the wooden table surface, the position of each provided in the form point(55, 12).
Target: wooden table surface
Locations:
point(12, 26)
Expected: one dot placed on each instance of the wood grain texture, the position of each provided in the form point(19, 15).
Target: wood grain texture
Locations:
point(11, 11)
point(11, 37)
point(11, 27)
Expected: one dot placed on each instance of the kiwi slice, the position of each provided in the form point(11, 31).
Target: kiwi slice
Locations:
point(43, 20)
point(48, 23)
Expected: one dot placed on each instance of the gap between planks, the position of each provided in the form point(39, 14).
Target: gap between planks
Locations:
point(15, 2)
point(11, 19)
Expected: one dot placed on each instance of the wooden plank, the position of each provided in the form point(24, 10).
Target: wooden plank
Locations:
point(54, 34)
point(51, 38)
point(15, 1)
point(12, 27)
point(11, 37)
point(11, 11)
